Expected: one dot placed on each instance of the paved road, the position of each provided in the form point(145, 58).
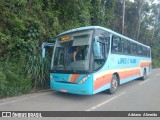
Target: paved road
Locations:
point(136, 95)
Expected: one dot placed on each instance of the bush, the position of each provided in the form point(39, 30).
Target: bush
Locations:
point(12, 80)
point(38, 70)
point(23, 68)
point(2, 80)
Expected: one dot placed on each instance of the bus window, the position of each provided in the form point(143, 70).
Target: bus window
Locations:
point(107, 44)
point(64, 58)
point(96, 48)
point(133, 48)
point(116, 45)
point(59, 56)
point(144, 51)
point(101, 49)
point(148, 52)
point(99, 53)
point(140, 53)
point(126, 47)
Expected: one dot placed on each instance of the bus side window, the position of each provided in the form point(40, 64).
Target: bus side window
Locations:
point(99, 53)
point(144, 49)
point(133, 48)
point(126, 47)
point(140, 50)
point(116, 45)
point(148, 52)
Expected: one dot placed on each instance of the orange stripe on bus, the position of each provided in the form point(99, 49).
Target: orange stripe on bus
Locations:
point(74, 77)
point(130, 73)
point(145, 64)
point(101, 81)
point(105, 79)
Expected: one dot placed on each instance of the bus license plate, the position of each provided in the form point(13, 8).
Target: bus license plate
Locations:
point(63, 90)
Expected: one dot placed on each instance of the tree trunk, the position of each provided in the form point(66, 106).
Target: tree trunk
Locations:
point(140, 20)
point(123, 17)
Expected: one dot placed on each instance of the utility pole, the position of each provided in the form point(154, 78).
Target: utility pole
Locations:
point(123, 17)
point(140, 19)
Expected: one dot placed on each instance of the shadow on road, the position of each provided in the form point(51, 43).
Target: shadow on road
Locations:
point(77, 97)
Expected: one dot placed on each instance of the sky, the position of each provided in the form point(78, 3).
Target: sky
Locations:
point(131, 0)
point(155, 1)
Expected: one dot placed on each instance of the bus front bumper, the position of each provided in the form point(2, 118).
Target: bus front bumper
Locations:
point(82, 89)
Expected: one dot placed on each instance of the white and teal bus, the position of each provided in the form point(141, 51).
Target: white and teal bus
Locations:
point(92, 59)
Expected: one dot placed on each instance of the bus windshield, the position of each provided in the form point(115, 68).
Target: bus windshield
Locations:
point(71, 52)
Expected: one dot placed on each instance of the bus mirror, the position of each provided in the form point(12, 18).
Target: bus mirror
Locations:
point(97, 53)
point(43, 48)
point(43, 52)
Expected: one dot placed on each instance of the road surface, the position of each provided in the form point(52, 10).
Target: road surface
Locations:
point(136, 95)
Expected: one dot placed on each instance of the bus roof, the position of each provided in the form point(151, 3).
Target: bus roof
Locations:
point(99, 27)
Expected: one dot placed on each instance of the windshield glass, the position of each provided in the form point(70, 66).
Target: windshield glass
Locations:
point(72, 52)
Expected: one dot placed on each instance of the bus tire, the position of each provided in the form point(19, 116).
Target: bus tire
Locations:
point(114, 85)
point(144, 75)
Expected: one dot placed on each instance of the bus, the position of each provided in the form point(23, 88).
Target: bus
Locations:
point(106, 60)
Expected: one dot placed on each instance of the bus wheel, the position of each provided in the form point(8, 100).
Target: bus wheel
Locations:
point(144, 75)
point(114, 85)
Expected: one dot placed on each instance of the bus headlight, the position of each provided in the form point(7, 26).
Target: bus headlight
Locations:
point(84, 79)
